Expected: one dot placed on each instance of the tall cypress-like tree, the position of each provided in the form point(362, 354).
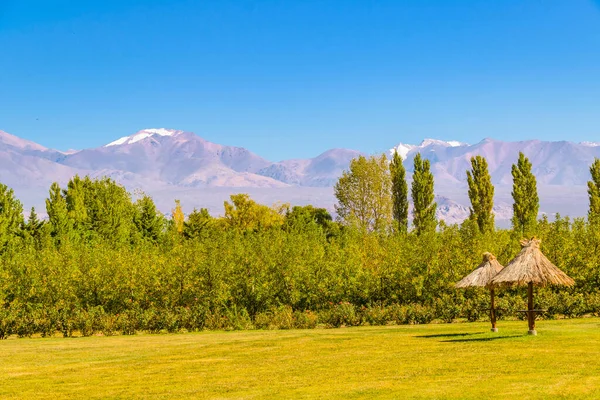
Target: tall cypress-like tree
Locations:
point(399, 192)
point(177, 217)
point(423, 196)
point(526, 201)
point(594, 193)
point(481, 194)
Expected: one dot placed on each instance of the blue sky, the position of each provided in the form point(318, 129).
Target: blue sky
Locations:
point(291, 79)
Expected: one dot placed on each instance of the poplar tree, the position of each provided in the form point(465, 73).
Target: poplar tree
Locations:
point(526, 201)
point(399, 192)
point(364, 194)
point(481, 194)
point(424, 207)
point(178, 217)
point(594, 193)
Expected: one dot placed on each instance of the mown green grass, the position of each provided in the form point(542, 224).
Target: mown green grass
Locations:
point(454, 361)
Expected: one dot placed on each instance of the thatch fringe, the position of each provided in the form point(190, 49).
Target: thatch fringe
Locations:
point(530, 265)
point(483, 274)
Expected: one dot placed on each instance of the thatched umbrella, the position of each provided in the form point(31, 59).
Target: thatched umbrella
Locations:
point(481, 277)
point(530, 267)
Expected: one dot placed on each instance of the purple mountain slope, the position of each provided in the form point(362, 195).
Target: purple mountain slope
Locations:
point(171, 164)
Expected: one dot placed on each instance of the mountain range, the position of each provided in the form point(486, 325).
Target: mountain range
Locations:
point(169, 164)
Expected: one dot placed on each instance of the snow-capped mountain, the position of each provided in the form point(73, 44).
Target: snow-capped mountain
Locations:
point(169, 164)
point(143, 134)
point(176, 158)
point(404, 149)
point(554, 163)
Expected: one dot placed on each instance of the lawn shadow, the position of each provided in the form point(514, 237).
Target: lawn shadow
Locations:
point(441, 335)
point(483, 339)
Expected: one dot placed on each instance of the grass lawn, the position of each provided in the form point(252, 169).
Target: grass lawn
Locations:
point(453, 361)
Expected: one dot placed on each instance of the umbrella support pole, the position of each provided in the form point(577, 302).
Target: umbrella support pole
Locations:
point(531, 312)
point(493, 311)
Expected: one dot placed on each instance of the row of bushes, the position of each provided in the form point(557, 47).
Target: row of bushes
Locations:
point(24, 321)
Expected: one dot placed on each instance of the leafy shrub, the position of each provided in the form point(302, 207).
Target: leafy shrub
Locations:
point(447, 308)
point(237, 319)
point(305, 319)
point(7, 322)
point(592, 301)
point(341, 314)
point(108, 324)
point(417, 314)
point(375, 315)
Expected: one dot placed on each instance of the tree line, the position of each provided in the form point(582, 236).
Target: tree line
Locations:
point(107, 261)
point(373, 195)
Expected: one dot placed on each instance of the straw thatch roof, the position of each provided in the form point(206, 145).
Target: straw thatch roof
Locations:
point(483, 274)
point(530, 265)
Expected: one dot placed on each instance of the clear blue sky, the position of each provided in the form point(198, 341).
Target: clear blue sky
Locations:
point(293, 78)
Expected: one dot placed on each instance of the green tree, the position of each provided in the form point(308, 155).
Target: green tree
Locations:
point(110, 210)
point(364, 194)
point(526, 201)
point(34, 225)
point(148, 221)
point(58, 215)
point(301, 218)
point(11, 216)
point(399, 192)
point(197, 224)
point(481, 194)
point(424, 208)
point(75, 196)
point(594, 193)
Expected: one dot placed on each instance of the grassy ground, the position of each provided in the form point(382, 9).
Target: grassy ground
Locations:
point(456, 361)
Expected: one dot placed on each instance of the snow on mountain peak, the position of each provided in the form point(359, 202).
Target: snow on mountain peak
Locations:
point(590, 144)
point(403, 149)
point(143, 134)
point(451, 143)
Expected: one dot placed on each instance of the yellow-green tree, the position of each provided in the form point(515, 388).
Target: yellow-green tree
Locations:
point(178, 217)
point(364, 194)
point(245, 214)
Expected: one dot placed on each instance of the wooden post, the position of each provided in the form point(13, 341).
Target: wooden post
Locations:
point(493, 311)
point(530, 312)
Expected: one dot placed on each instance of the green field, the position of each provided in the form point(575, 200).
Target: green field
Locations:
point(453, 361)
